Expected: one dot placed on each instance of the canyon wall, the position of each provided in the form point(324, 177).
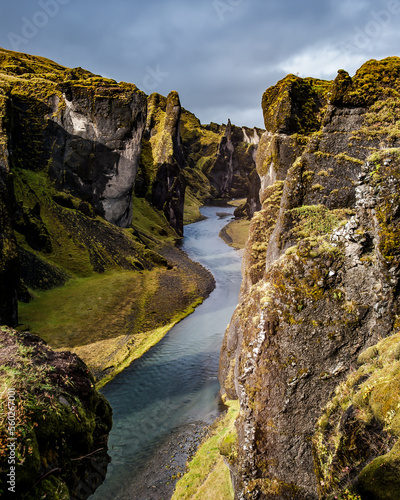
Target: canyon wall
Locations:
point(320, 285)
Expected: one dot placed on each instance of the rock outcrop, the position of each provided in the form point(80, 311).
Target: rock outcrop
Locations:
point(54, 424)
point(9, 264)
point(97, 137)
point(163, 162)
point(84, 130)
point(320, 285)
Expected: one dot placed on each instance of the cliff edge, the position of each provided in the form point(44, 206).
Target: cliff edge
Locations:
point(320, 286)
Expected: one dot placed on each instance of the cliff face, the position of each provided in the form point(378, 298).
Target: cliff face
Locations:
point(84, 130)
point(320, 286)
point(97, 142)
point(9, 267)
point(58, 423)
point(220, 164)
point(162, 161)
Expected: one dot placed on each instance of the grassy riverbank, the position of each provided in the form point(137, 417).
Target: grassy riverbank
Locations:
point(101, 291)
point(208, 476)
point(110, 319)
point(235, 233)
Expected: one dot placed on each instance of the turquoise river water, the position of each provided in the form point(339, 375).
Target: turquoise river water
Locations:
point(176, 382)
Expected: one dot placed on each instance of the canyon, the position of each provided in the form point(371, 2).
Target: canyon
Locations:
point(97, 181)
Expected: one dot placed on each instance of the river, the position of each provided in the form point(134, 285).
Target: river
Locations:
point(174, 385)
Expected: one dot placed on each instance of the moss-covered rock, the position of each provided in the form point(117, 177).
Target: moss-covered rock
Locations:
point(60, 423)
point(82, 129)
point(356, 439)
point(323, 289)
point(295, 105)
point(162, 162)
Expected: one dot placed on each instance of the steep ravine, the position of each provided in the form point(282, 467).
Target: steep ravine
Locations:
point(93, 177)
point(320, 285)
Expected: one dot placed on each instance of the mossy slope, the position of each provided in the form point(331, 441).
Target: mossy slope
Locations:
point(61, 421)
point(208, 475)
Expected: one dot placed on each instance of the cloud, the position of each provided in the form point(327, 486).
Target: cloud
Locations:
point(322, 62)
point(220, 55)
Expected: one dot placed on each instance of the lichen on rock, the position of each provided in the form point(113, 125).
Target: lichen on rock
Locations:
point(60, 423)
point(325, 290)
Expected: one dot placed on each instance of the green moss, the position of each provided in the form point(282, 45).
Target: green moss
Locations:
point(208, 476)
point(44, 415)
point(294, 105)
point(316, 220)
point(51, 489)
point(386, 180)
point(345, 157)
point(375, 80)
point(356, 455)
point(381, 478)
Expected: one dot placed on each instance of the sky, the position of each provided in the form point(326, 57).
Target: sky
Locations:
point(220, 55)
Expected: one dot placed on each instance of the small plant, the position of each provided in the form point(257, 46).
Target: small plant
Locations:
point(347, 495)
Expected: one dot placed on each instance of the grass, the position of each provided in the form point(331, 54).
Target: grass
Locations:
point(208, 477)
point(317, 220)
point(68, 316)
point(111, 319)
point(112, 356)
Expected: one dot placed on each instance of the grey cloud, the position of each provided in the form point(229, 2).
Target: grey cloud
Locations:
point(219, 55)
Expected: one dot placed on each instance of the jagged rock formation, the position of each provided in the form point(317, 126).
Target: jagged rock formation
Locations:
point(72, 141)
point(162, 161)
point(320, 285)
point(220, 163)
point(97, 141)
point(58, 425)
point(86, 130)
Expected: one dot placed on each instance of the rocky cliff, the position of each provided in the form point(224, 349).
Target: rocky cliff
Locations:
point(54, 424)
point(320, 286)
point(9, 265)
point(162, 161)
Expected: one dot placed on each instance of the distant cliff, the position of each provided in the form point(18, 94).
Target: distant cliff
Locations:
point(221, 163)
point(95, 181)
point(185, 164)
point(319, 413)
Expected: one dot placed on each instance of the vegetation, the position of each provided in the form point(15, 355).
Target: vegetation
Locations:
point(295, 105)
point(208, 477)
point(57, 416)
point(235, 233)
point(363, 454)
point(316, 220)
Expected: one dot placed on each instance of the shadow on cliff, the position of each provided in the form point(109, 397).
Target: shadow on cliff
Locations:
point(81, 166)
point(193, 370)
